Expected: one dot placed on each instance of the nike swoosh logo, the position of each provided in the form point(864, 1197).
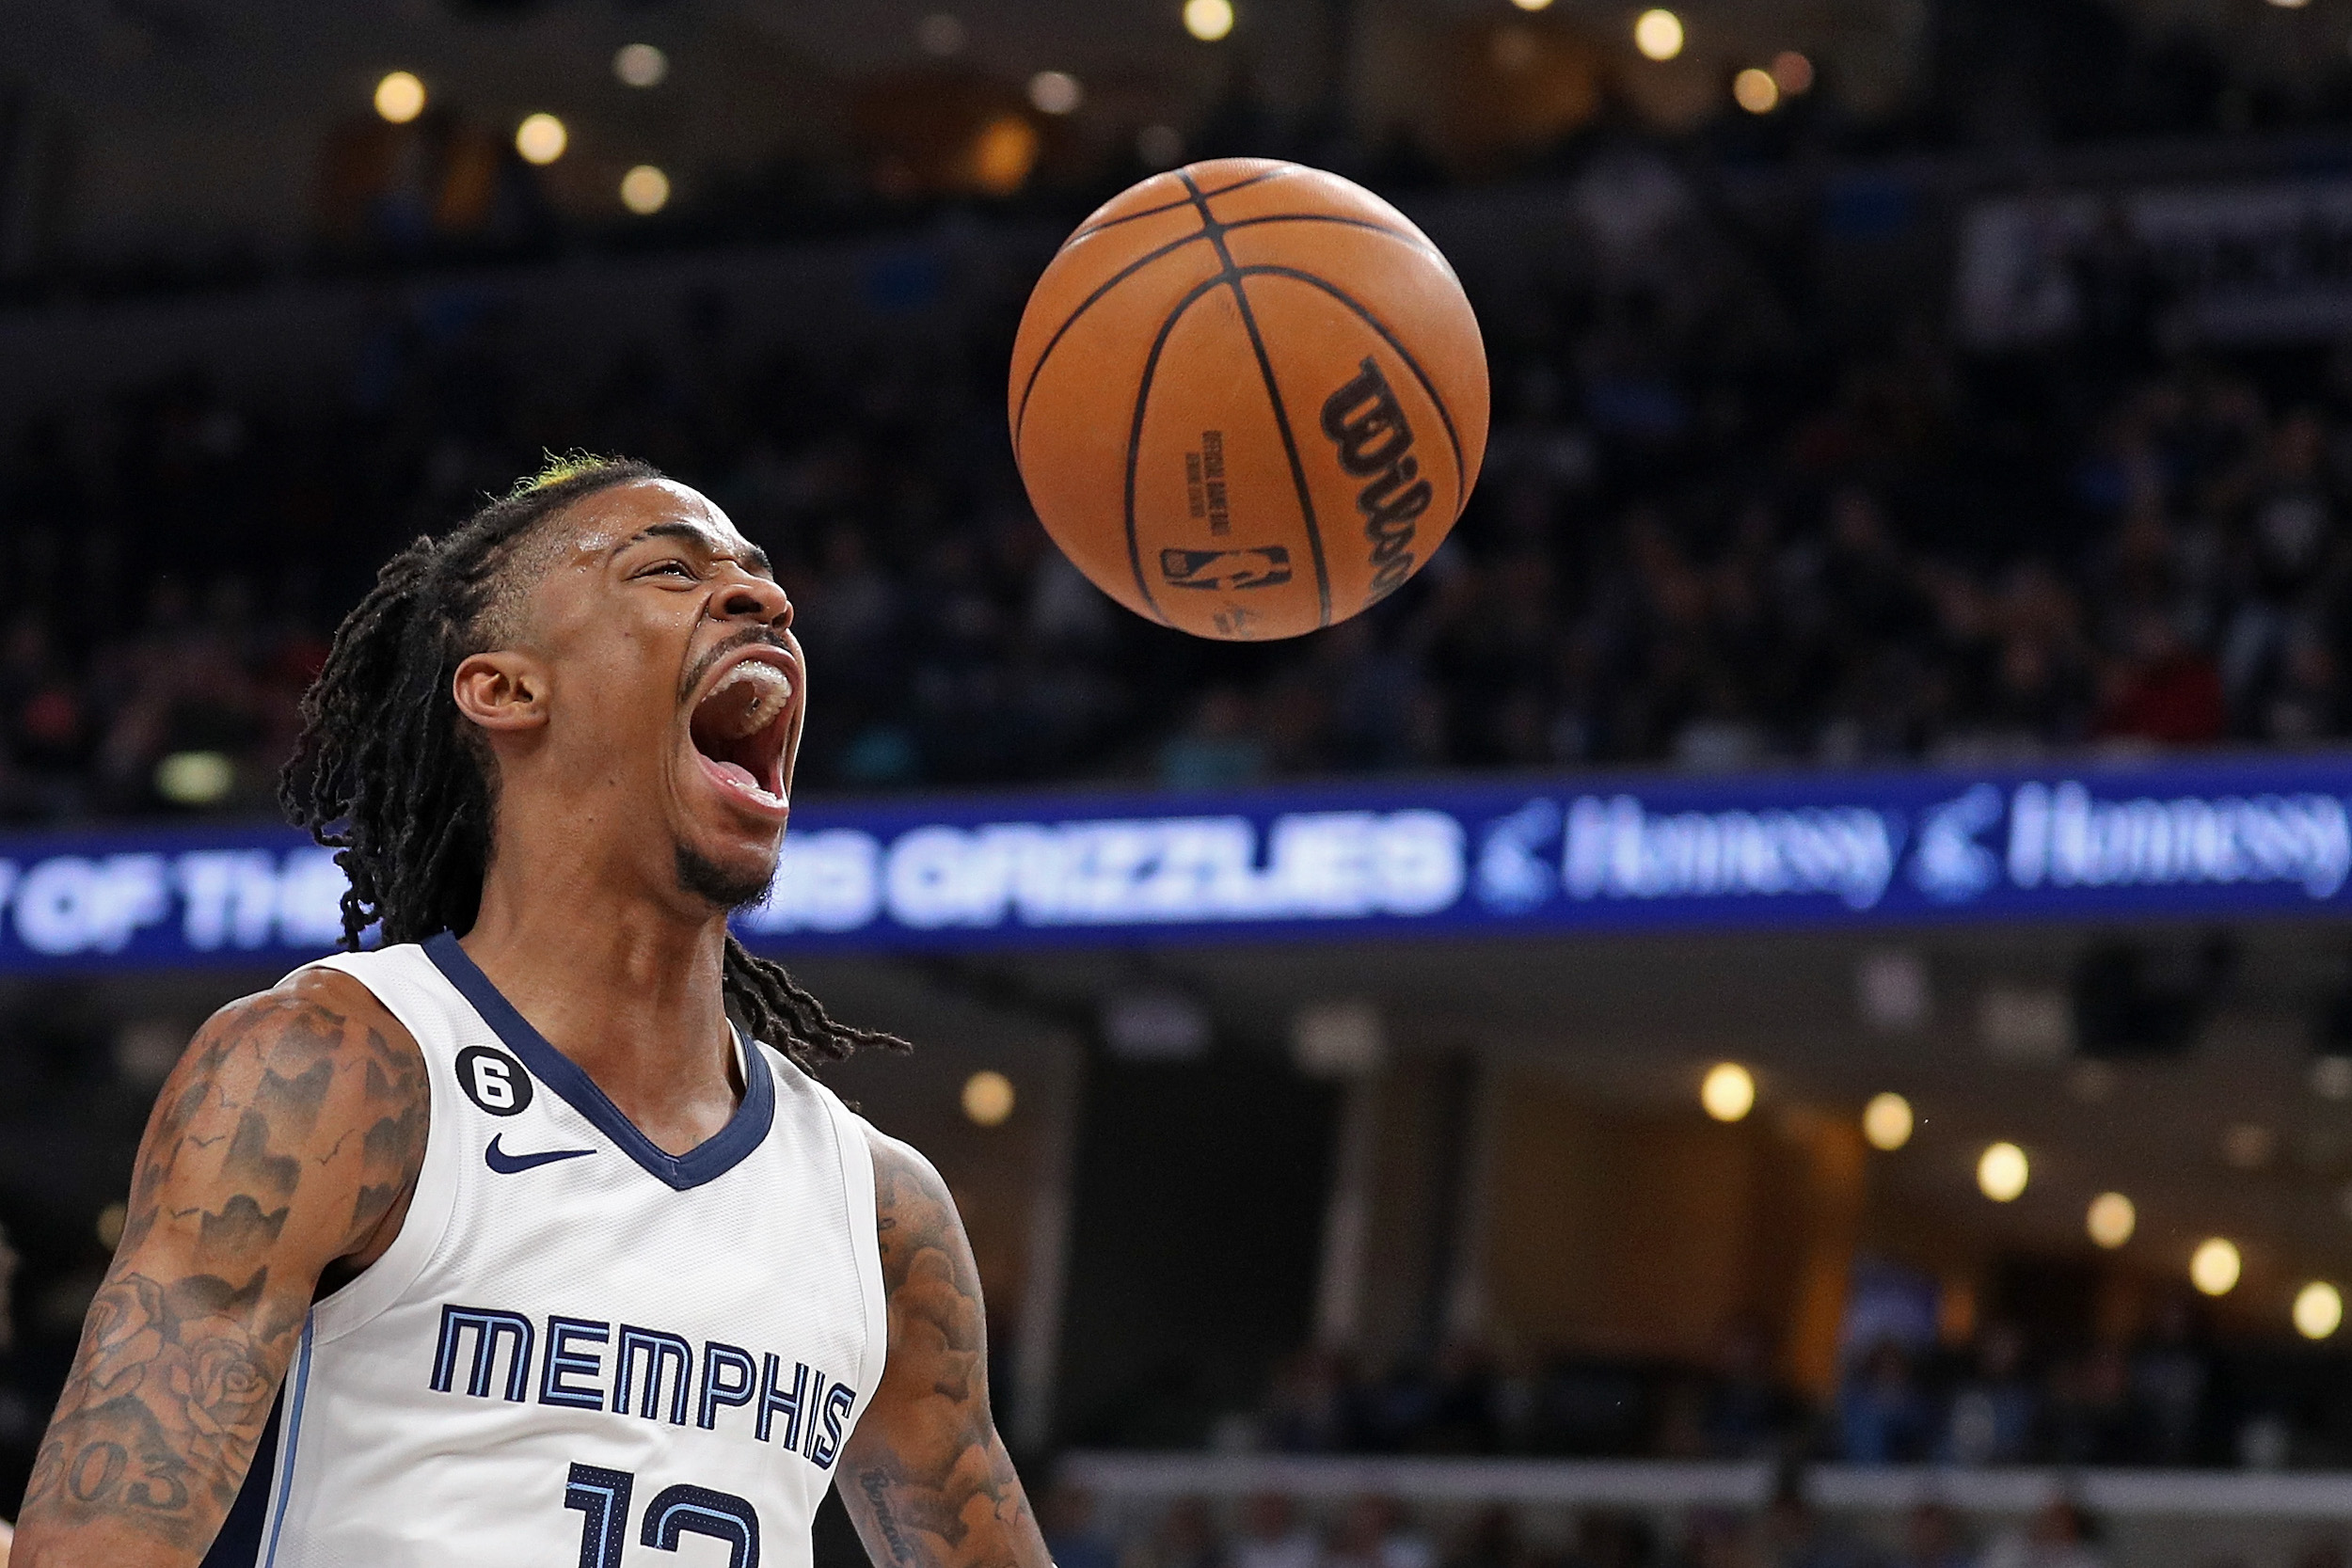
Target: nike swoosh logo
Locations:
point(507, 1165)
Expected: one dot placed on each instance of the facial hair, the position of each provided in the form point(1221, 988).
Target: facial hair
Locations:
point(706, 878)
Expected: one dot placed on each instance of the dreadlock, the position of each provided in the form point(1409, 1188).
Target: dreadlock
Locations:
point(389, 775)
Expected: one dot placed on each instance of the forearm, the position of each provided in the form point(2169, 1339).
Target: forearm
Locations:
point(157, 1427)
point(967, 1513)
point(925, 1476)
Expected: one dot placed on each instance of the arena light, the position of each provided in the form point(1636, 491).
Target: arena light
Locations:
point(641, 65)
point(1533, 4)
point(112, 1218)
point(2318, 1310)
point(2111, 1220)
point(1208, 20)
point(2213, 1267)
point(1887, 1122)
point(1160, 146)
point(2248, 1145)
point(541, 138)
point(400, 97)
point(1728, 1091)
point(1792, 73)
point(2332, 1077)
point(1055, 92)
point(1658, 34)
point(940, 35)
point(1755, 90)
point(988, 1098)
point(1003, 154)
point(2290, 5)
point(2002, 1172)
point(194, 778)
point(645, 190)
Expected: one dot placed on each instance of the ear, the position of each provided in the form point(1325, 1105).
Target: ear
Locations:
point(502, 691)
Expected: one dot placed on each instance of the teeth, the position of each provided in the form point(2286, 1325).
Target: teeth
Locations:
point(746, 699)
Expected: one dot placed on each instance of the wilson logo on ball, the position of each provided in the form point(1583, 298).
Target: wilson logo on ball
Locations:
point(1374, 442)
point(1226, 570)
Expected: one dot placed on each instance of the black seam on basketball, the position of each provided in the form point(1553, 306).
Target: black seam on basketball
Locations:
point(1135, 431)
point(1416, 241)
point(1171, 206)
point(1021, 414)
point(1461, 473)
point(1232, 275)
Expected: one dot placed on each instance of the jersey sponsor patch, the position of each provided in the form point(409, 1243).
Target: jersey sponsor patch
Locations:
point(494, 1081)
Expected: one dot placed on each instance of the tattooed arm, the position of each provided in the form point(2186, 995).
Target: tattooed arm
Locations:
point(285, 1143)
point(925, 1476)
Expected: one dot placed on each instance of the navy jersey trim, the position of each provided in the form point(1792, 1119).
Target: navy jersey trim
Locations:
point(705, 1161)
point(293, 1440)
point(239, 1543)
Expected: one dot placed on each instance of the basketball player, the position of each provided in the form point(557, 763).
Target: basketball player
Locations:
point(526, 1239)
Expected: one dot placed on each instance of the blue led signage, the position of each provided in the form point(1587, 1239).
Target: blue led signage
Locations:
point(2249, 838)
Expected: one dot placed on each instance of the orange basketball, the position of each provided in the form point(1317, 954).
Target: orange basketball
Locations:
point(1249, 399)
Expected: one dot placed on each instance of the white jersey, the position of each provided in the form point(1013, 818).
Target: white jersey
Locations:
point(579, 1350)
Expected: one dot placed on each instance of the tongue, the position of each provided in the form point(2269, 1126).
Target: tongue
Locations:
point(734, 772)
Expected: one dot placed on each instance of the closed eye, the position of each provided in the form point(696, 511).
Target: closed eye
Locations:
point(679, 567)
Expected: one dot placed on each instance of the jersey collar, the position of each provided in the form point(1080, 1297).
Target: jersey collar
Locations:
point(705, 1161)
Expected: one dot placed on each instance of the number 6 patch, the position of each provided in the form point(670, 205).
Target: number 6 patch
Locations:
point(493, 1080)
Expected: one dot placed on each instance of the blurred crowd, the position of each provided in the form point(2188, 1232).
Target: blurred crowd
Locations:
point(1271, 1530)
point(2169, 1397)
point(1712, 532)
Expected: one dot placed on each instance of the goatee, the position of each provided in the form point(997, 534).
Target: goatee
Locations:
point(727, 889)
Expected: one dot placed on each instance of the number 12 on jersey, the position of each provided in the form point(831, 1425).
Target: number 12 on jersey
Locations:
point(603, 1496)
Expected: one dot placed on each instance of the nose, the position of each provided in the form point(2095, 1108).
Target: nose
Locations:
point(751, 599)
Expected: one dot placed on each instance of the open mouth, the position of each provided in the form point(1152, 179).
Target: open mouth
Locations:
point(740, 728)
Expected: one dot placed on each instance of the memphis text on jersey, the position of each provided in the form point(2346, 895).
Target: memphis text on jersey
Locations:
point(640, 1374)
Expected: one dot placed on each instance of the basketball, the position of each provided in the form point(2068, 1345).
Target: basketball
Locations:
point(1249, 399)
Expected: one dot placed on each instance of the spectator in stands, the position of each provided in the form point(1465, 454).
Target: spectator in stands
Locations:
point(2169, 1377)
point(1994, 1411)
point(2162, 688)
point(1273, 1536)
point(2061, 1535)
point(1372, 1533)
point(1312, 1408)
point(2092, 1418)
point(1793, 1535)
point(1219, 749)
point(1612, 1538)
point(1748, 1414)
point(1931, 1539)
point(1071, 1534)
point(20, 1420)
point(1698, 542)
point(1882, 1418)
point(1186, 1538)
point(1714, 1537)
point(1465, 1396)
point(1493, 1539)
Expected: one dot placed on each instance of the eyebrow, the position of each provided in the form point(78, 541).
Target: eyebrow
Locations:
point(750, 554)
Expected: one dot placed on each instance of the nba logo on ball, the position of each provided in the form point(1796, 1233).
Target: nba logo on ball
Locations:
point(1249, 399)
